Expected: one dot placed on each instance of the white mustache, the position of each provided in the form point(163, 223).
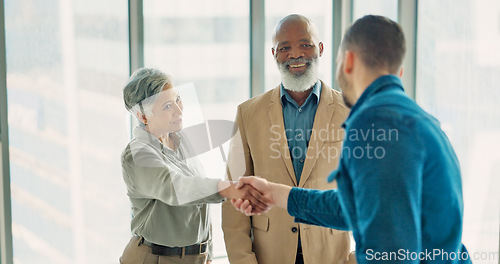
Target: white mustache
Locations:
point(299, 82)
point(287, 63)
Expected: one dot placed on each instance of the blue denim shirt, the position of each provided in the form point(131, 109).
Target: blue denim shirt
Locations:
point(299, 122)
point(399, 183)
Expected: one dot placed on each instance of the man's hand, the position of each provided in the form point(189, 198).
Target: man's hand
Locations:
point(276, 194)
point(262, 185)
point(245, 192)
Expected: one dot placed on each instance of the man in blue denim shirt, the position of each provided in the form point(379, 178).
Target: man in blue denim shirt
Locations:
point(399, 181)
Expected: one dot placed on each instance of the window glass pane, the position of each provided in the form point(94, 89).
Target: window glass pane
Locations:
point(458, 66)
point(206, 43)
point(319, 12)
point(67, 62)
point(388, 8)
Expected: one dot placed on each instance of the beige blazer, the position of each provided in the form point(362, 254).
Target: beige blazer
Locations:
point(269, 238)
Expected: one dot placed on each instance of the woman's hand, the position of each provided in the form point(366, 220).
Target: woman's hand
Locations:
point(276, 194)
point(259, 202)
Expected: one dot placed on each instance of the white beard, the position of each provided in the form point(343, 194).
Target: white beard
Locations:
point(302, 81)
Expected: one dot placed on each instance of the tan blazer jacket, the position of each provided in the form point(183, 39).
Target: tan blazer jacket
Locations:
point(269, 238)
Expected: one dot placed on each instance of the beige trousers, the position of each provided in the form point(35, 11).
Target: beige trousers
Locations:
point(138, 253)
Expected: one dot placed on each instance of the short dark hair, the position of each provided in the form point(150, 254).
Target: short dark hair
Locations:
point(379, 41)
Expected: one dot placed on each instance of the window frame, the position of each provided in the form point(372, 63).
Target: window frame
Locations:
point(6, 247)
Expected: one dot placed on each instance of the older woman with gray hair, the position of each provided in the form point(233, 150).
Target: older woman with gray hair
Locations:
point(168, 192)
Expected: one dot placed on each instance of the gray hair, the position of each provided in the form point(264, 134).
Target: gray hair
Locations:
point(142, 89)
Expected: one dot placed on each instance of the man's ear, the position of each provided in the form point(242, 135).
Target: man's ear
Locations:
point(272, 51)
point(401, 71)
point(320, 45)
point(348, 62)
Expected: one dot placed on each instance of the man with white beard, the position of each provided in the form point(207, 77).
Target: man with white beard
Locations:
point(289, 135)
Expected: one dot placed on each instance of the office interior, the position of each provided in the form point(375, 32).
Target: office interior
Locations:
point(63, 65)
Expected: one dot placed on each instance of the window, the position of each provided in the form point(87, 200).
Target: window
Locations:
point(68, 61)
point(457, 81)
point(66, 64)
point(388, 8)
point(208, 46)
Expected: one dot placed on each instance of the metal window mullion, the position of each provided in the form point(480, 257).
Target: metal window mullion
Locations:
point(407, 18)
point(136, 34)
point(342, 19)
point(257, 46)
point(6, 252)
point(136, 43)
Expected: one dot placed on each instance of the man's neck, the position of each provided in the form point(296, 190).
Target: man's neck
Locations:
point(366, 79)
point(300, 97)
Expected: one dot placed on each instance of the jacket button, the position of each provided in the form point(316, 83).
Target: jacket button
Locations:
point(294, 229)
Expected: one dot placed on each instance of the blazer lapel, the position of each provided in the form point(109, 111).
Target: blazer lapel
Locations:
point(276, 117)
point(321, 129)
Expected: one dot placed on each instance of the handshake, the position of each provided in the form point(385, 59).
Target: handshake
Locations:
point(253, 195)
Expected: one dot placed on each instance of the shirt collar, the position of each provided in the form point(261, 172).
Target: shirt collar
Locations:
point(379, 84)
point(285, 97)
point(141, 134)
